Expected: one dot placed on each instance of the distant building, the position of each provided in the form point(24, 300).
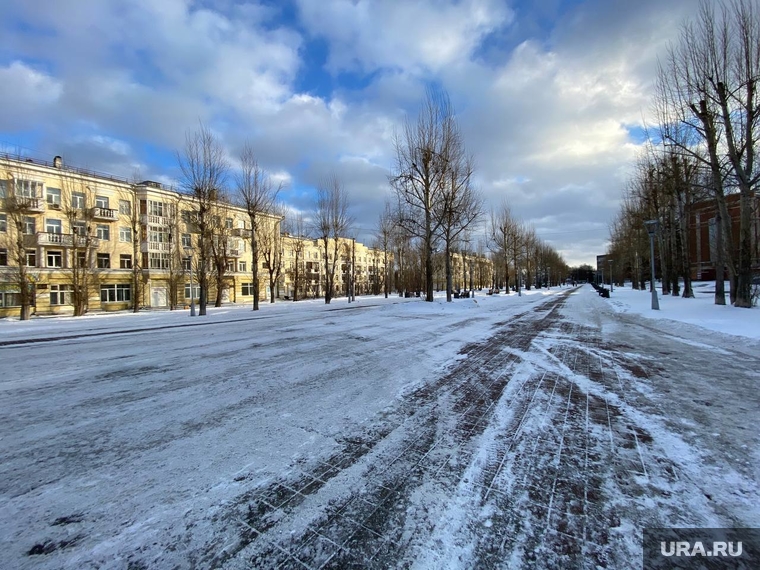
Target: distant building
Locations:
point(702, 236)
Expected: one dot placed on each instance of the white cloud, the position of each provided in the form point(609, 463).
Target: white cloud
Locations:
point(547, 118)
point(25, 93)
point(415, 35)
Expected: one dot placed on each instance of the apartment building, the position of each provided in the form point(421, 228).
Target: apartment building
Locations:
point(303, 264)
point(77, 240)
point(84, 241)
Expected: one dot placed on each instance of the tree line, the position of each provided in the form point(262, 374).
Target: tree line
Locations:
point(703, 148)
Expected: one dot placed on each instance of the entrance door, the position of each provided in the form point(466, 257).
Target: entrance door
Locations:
point(158, 297)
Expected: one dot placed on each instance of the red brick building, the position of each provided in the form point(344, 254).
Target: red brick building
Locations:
point(702, 235)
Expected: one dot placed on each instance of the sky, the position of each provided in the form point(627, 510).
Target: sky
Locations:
point(552, 95)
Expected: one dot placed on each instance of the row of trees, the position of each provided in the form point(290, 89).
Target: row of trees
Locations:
point(437, 208)
point(434, 215)
point(707, 107)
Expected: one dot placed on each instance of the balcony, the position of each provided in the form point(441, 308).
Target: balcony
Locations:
point(146, 219)
point(159, 246)
point(233, 252)
point(48, 239)
point(30, 204)
point(105, 214)
point(241, 232)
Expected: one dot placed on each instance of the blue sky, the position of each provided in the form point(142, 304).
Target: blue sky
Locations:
point(551, 95)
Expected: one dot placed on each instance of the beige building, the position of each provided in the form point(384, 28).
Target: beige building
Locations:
point(303, 259)
point(122, 243)
point(85, 241)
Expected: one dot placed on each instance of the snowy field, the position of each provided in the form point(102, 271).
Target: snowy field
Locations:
point(701, 310)
point(539, 431)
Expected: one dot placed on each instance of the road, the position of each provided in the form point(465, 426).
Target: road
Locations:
point(549, 441)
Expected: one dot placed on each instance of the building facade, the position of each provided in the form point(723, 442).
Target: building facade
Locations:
point(121, 243)
point(79, 241)
point(702, 236)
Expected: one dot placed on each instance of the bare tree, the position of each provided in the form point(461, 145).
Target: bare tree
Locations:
point(502, 235)
point(296, 228)
point(258, 196)
point(19, 206)
point(419, 173)
point(270, 245)
point(80, 210)
point(221, 243)
point(459, 206)
point(128, 206)
point(176, 271)
point(204, 174)
point(384, 233)
point(709, 108)
point(331, 222)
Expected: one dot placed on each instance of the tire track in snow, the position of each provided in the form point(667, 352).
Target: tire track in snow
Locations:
point(426, 442)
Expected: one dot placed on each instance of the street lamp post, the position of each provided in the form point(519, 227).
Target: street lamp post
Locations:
point(189, 252)
point(612, 287)
point(652, 227)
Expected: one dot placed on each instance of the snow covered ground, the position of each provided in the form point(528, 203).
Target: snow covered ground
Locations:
point(545, 430)
point(701, 310)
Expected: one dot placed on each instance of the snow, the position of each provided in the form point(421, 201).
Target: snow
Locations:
point(499, 431)
point(701, 310)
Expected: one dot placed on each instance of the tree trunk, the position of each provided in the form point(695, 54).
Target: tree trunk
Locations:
point(448, 273)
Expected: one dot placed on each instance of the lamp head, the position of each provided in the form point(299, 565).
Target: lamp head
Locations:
point(652, 226)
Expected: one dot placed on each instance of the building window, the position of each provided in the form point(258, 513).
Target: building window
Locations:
point(155, 208)
point(30, 226)
point(187, 240)
point(196, 291)
point(60, 294)
point(3, 223)
point(103, 232)
point(246, 289)
point(54, 259)
point(230, 267)
point(79, 229)
point(10, 299)
point(125, 207)
point(54, 196)
point(28, 189)
point(31, 258)
point(3, 256)
point(115, 293)
point(241, 266)
point(82, 259)
point(228, 223)
point(3, 188)
point(77, 200)
point(125, 261)
point(158, 260)
point(104, 261)
point(53, 226)
point(101, 202)
point(125, 235)
point(187, 263)
point(158, 235)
